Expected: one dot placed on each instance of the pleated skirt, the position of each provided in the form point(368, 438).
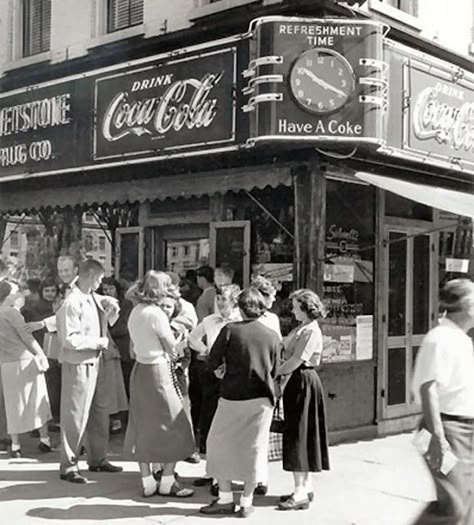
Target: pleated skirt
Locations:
point(159, 426)
point(26, 396)
point(237, 445)
point(305, 441)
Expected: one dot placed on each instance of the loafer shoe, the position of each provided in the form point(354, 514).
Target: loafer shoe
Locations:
point(261, 490)
point(288, 496)
point(44, 448)
point(177, 491)
point(216, 508)
point(291, 504)
point(15, 454)
point(105, 467)
point(74, 477)
point(202, 482)
point(245, 512)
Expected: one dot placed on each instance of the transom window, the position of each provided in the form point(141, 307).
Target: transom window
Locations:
point(36, 26)
point(123, 14)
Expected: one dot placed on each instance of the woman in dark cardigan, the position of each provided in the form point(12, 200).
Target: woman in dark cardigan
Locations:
point(305, 443)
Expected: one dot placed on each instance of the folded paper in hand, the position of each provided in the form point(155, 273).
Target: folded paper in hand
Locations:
point(422, 440)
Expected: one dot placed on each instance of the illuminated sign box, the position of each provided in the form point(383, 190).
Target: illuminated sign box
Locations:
point(316, 80)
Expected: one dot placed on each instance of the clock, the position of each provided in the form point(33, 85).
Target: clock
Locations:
point(321, 81)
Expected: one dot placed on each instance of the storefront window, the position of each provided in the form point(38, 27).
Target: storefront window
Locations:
point(349, 272)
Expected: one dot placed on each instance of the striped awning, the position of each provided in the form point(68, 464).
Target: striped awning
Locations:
point(141, 190)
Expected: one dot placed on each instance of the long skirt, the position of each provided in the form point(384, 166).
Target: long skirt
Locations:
point(159, 424)
point(26, 396)
point(237, 445)
point(116, 393)
point(305, 442)
point(455, 491)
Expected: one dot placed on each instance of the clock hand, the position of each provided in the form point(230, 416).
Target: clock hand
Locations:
point(322, 82)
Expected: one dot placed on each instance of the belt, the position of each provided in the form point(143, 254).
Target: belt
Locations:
point(306, 367)
point(459, 419)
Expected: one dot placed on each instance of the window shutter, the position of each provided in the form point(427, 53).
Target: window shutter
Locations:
point(36, 26)
point(124, 13)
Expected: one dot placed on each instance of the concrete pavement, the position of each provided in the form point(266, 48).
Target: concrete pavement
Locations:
point(378, 482)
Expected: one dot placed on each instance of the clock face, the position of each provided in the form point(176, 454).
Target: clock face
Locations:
point(321, 80)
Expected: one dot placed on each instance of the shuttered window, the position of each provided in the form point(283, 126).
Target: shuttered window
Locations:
point(36, 26)
point(124, 13)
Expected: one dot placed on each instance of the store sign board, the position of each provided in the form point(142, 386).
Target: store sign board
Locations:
point(44, 128)
point(316, 80)
point(173, 105)
point(431, 110)
point(440, 120)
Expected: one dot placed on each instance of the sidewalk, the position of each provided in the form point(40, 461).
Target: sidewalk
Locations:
point(379, 482)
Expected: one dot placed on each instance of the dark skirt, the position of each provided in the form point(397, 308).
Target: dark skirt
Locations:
point(159, 425)
point(305, 442)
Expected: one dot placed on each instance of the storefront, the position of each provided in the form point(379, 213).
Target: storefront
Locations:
point(255, 152)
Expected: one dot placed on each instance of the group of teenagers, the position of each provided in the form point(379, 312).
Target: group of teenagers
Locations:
point(201, 377)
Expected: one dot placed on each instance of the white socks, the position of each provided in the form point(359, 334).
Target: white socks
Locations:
point(15, 447)
point(149, 485)
point(166, 484)
point(246, 501)
point(156, 467)
point(300, 494)
point(226, 497)
point(46, 441)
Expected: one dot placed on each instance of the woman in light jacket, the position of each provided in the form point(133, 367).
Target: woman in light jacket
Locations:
point(22, 367)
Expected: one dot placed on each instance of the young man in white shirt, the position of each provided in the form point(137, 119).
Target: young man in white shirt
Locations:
point(82, 329)
point(443, 382)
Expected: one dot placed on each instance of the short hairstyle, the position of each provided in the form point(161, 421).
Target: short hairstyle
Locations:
point(227, 271)
point(263, 285)
point(151, 288)
point(5, 289)
point(455, 295)
point(89, 266)
point(207, 272)
point(49, 282)
point(252, 303)
point(229, 292)
point(111, 281)
point(310, 303)
point(63, 258)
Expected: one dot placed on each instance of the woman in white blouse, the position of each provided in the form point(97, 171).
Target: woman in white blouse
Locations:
point(159, 428)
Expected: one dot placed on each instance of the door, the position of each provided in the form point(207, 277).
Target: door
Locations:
point(408, 311)
point(129, 254)
point(230, 246)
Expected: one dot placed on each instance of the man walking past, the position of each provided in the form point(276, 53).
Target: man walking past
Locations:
point(444, 383)
point(82, 329)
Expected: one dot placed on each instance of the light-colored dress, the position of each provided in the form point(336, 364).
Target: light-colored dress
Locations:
point(159, 425)
point(24, 386)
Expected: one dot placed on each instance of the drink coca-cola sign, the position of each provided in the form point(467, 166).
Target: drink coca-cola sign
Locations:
point(440, 117)
point(167, 107)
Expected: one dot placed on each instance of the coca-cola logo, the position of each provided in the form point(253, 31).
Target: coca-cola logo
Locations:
point(185, 104)
point(447, 123)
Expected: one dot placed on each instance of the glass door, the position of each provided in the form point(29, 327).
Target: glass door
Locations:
point(408, 312)
point(129, 254)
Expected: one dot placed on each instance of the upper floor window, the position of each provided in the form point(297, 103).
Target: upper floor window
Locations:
point(407, 6)
point(36, 26)
point(124, 13)
point(14, 239)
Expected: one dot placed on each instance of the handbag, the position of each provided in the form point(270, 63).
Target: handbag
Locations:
point(278, 422)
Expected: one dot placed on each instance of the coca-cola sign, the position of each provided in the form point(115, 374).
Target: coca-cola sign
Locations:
point(167, 107)
point(439, 120)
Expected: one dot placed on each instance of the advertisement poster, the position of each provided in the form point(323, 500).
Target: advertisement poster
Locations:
point(364, 337)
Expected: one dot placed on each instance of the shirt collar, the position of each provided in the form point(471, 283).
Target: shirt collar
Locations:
point(445, 321)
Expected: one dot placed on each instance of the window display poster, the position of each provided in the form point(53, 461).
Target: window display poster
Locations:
point(338, 342)
point(364, 336)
